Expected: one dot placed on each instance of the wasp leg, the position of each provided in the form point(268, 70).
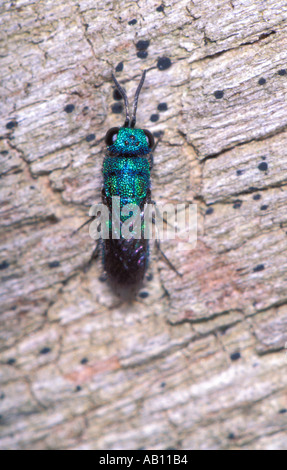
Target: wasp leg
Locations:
point(159, 215)
point(160, 134)
point(157, 241)
point(94, 255)
point(150, 156)
point(157, 244)
point(93, 217)
point(83, 225)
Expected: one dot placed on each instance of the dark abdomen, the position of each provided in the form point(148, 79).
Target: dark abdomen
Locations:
point(126, 262)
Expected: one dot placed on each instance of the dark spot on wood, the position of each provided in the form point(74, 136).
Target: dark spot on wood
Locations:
point(90, 137)
point(11, 124)
point(117, 108)
point(69, 108)
point(218, 94)
point(259, 267)
point(163, 63)
point(235, 356)
point(142, 45)
point(231, 436)
point(4, 265)
point(11, 361)
point(256, 197)
point(154, 117)
point(239, 172)
point(263, 166)
point(160, 8)
point(158, 134)
point(54, 264)
point(261, 81)
point(282, 411)
point(78, 388)
point(143, 295)
point(116, 95)
point(162, 107)
point(45, 350)
point(264, 207)
point(142, 54)
point(85, 360)
point(132, 22)
point(209, 211)
point(119, 67)
point(237, 204)
point(282, 72)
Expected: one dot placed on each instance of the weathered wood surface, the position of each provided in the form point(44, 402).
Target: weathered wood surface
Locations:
point(201, 362)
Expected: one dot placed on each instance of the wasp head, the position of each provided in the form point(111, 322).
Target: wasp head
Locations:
point(128, 141)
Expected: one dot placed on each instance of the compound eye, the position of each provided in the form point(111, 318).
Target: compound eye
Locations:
point(149, 138)
point(111, 135)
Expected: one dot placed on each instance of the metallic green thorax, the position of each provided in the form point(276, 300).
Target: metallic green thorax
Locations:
point(127, 178)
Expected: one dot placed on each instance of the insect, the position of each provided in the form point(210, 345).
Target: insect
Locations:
point(126, 172)
point(126, 178)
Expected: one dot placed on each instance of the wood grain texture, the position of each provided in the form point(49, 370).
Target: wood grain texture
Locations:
point(201, 362)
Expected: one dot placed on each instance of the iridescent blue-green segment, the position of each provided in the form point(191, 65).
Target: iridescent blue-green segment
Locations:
point(128, 178)
point(130, 142)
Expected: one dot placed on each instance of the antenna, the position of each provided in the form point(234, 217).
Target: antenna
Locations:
point(133, 120)
point(130, 122)
point(124, 95)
